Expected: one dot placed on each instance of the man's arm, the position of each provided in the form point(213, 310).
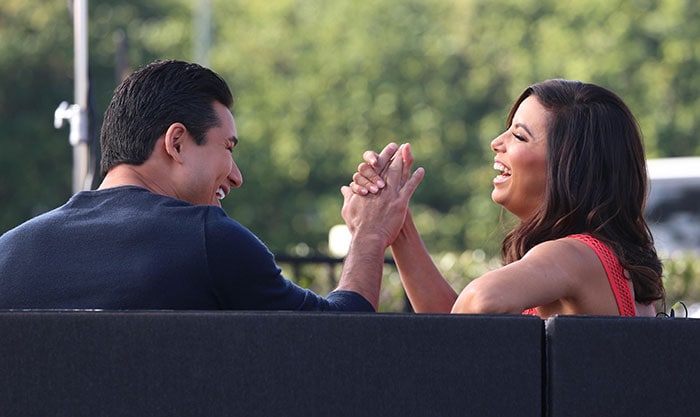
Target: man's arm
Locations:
point(375, 221)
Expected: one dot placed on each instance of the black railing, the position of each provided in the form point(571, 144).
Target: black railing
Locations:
point(323, 281)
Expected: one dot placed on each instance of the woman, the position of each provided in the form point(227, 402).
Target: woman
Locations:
point(572, 169)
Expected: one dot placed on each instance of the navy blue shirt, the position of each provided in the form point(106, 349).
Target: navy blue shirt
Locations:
point(128, 248)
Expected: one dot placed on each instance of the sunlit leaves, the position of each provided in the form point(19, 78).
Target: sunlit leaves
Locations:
point(318, 82)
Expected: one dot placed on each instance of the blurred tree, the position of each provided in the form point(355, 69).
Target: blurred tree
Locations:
point(317, 83)
point(35, 68)
point(351, 77)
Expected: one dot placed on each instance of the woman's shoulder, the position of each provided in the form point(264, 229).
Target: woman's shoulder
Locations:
point(578, 268)
point(561, 249)
point(581, 244)
point(571, 259)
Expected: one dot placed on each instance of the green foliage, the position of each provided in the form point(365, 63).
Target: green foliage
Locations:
point(681, 278)
point(323, 278)
point(681, 274)
point(35, 58)
point(318, 82)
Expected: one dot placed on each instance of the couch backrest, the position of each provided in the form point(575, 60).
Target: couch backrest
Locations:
point(72, 363)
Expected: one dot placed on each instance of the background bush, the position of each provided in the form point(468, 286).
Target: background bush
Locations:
point(317, 82)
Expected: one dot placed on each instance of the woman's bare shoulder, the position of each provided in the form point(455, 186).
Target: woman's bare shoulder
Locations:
point(563, 251)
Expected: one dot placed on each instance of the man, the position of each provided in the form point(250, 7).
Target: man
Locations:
point(154, 236)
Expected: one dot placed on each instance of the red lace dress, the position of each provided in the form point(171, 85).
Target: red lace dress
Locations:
point(615, 273)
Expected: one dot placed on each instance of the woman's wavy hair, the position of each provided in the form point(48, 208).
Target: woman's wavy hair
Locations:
point(596, 180)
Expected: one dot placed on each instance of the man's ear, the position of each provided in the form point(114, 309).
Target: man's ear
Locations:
point(174, 139)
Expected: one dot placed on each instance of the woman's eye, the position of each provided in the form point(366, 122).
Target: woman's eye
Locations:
point(519, 137)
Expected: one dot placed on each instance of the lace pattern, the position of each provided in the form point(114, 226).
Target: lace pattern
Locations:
point(614, 271)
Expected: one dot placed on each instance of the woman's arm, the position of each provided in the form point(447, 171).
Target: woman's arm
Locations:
point(425, 286)
point(375, 221)
point(562, 276)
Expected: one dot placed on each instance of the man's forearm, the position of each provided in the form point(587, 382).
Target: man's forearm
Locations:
point(363, 267)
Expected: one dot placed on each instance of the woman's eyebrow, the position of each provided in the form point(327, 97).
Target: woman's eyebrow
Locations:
point(522, 126)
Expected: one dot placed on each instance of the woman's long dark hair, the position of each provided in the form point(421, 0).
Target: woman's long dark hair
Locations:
point(596, 180)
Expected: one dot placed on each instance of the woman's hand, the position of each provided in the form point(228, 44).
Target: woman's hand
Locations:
point(381, 213)
point(369, 178)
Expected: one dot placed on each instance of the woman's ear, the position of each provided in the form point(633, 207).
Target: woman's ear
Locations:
point(174, 138)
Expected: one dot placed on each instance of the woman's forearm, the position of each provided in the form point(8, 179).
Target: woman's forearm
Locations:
point(425, 286)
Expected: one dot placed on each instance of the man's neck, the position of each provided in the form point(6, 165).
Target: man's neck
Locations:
point(138, 176)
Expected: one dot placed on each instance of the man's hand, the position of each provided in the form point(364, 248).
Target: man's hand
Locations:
point(380, 212)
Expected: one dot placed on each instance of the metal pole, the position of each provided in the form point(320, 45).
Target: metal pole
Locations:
point(202, 31)
point(77, 114)
point(79, 134)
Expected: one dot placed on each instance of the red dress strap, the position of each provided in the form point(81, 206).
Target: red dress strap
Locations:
point(530, 312)
point(616, 274)
point(613, 270)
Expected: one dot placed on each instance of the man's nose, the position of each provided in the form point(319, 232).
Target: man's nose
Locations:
point(235, 176)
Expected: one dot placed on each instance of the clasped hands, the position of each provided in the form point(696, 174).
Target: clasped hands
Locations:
point(376, 201)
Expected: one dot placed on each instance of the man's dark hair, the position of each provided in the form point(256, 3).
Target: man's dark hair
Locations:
point(146, 103)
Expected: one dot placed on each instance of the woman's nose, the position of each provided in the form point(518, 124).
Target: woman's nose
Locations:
point(497, 143)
